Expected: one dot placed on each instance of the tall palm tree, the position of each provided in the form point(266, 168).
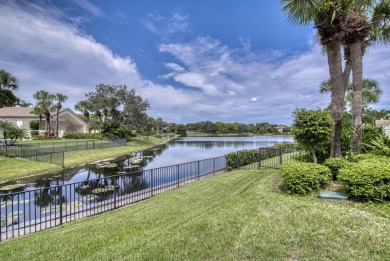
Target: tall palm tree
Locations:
point(327, 17)
point(366, 23)
point(7, 80)
point(45, 102)
point(60, 98)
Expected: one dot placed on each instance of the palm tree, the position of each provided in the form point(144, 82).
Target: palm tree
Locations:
point(7, 80)
point(84, 107)
point(60, 98)
point(327, 17)
point(38, 110)
point(45, 104)
point(360, 32)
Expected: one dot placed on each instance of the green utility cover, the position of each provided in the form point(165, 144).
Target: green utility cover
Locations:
point(332, 195)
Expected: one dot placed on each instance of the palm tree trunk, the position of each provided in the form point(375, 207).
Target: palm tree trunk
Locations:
point(346, 74)
point(357, 83)
point(337, 97)
point(58, 112)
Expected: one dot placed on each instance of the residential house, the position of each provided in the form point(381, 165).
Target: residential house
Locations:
point(68, 120)
point(385, 124)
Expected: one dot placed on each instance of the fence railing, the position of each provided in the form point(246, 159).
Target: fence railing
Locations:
point(54, 152)
point(52, 205)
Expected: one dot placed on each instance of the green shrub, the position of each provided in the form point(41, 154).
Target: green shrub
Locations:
point(159, 136)
point(304, 178)
point(367, 179)
point(335, 164)
point(367, 156)
point(34, 124)
point(77, 135)
point(240, 158)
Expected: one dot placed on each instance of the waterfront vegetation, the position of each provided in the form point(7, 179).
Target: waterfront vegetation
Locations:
point(237, 215)
point(17, 167)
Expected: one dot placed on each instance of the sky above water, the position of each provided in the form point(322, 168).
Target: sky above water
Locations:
point(230, 61)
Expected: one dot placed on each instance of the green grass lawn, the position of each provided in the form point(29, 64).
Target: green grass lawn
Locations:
point(238, 215)
point(16, 167)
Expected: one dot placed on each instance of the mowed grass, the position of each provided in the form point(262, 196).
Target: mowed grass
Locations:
point(238, 215)
point(17, 167)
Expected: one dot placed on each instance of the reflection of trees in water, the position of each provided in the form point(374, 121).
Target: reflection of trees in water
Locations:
point(132, 183)
point(49, 195)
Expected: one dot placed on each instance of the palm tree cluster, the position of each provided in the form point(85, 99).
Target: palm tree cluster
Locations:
point(46, 104)
point(353, 25)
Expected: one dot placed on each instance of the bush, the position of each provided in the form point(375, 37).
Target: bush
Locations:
point(240, 158)
point(77, 135)
point(34, 124)
point(367, 179)
point(335, 164)
point(304, 178)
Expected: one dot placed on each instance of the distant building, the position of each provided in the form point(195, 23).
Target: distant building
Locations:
point(385, 124)
point(21, 117)
point(283, 129)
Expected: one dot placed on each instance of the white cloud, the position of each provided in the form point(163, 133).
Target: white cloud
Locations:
point(88, 6)
point(207, 80)
point(167, 26)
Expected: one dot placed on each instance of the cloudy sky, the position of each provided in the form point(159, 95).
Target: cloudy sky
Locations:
point(193, 60)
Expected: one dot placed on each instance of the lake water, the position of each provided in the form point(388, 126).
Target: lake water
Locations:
point(127, 175)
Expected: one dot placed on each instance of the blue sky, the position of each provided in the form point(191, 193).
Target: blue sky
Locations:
point(193, 60)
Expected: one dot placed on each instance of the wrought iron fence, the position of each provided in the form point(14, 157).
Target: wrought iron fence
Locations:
point(54, 152)
point(34, 210)
point(52, 205)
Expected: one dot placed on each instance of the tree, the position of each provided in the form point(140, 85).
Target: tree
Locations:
point(44, 105)
point(60, 98)
point(8, 98)
point(11, 132)
point(359, 32)
point(371, 92)
point(7, 81)
point(38, 110)
point(312, 129)
point(327, 17)
point(85, 107)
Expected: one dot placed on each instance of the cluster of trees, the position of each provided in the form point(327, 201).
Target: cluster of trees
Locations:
point(46, 103)
point(353, 25)
point(235, 128)
point(8, 131)
point(114, 110)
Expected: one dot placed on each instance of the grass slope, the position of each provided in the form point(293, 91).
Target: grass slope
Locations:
point(233, 216)
point(16, 167)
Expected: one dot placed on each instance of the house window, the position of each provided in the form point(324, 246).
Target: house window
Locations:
point(19, 124)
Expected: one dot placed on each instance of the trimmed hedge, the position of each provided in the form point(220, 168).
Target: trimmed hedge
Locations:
point(335, 164)
point(240, 158)
point(77, 135)
point(304, 178)
point(367, 179)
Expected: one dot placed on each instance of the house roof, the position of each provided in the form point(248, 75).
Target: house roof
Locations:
point(19, 112)
point(382, 122)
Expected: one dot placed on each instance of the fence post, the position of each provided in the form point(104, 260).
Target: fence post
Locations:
point(214, 166)
point(93, 144)
point(151, 182)
point(60, 202)
point(115, 192)
point(198, 168)
point(281, 155)
point(21, 151)
point(36, 154)
point(178, 175)
point(258, 159)
point(6, 147)
point(51, 158)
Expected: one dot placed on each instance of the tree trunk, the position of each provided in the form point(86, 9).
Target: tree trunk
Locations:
point(346, 74)
point(314, 157)
point(47, 122)
point(357, 83)
point(337, 97)
point(58, 112)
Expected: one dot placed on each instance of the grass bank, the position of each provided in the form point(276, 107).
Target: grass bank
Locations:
point(17, 167)
point(234, 216)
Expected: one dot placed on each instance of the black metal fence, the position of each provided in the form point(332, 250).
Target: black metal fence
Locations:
point(54, 152)
point(52, 205)
point(34, 210)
